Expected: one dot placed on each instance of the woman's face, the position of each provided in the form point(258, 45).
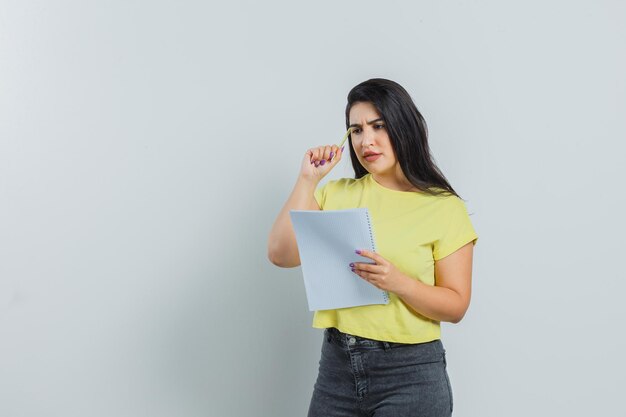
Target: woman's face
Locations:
point(370, 140)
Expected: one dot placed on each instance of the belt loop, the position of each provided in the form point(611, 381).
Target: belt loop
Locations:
point(386, 345)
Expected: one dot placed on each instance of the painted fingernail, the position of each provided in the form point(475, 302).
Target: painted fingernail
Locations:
point(317, 164)
point(352, 264)
point(352, 270)
point(331, 155)
point(322, 162)
point(343, 147)
point(358, 251)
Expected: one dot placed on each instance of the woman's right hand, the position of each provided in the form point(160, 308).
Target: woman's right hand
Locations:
point(282, 248)
point(319, 161)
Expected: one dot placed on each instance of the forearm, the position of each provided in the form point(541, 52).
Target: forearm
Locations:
point(282, 247)
point(436, 303)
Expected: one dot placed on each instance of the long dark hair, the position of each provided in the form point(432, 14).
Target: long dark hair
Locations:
point(407, 131)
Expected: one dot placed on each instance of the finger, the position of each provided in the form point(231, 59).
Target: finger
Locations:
point(322, 154)
point(372, 255)
point(371, 278)
point(309, 155)
point(327, 151)
point(340, 152)
point(333, 153)
point(378, 272)
point(369, 267)
point(317, 155)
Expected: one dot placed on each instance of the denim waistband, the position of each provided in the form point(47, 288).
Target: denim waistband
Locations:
point(346, 340)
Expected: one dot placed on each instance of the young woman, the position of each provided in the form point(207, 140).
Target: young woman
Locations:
point(387, 360)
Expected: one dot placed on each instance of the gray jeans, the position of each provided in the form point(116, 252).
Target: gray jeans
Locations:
point(364, 377)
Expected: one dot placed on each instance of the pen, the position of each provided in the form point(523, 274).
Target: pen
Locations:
point(339, 146)
point(342, 141)
point(344, 137)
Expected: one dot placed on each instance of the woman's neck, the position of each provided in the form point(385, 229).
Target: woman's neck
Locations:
point(394, 181)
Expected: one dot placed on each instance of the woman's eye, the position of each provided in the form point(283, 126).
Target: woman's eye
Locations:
point(355, 130)
point(379, 126)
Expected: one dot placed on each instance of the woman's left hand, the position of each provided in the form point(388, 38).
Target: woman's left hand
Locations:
point(382, 274)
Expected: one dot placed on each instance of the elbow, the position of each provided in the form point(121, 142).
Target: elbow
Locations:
point(274, 258)
point(456, 319)
point(458, 316)
point(280, 262)
point(461, 307)
point(273, 253)
point(278, 258)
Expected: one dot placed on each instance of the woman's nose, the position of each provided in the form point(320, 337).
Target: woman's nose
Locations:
point(368, 138)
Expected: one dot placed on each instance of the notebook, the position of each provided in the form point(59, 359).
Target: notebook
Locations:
point(326, 241)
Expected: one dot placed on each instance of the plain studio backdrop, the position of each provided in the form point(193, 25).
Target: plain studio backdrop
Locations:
point(146, 148)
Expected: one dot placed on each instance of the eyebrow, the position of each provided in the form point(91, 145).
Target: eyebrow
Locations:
point(371, 122)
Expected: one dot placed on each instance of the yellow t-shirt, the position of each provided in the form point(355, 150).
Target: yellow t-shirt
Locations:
point(411, 230)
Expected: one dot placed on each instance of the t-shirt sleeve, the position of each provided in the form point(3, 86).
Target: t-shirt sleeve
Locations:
point(320, 195)
point(457, 229)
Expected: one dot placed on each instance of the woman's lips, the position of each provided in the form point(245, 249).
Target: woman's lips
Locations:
point(372, 157)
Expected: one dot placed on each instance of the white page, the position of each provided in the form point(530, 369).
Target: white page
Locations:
point(327, 240)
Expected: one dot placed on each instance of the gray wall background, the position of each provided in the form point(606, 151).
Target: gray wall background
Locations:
point(147, 146)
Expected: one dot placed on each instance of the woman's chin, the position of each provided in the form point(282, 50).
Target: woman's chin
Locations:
point(376, 170)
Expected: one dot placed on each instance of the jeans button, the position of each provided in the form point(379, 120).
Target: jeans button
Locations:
point(352, 340)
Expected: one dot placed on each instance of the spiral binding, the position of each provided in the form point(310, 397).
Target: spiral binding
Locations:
point(369, 225)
